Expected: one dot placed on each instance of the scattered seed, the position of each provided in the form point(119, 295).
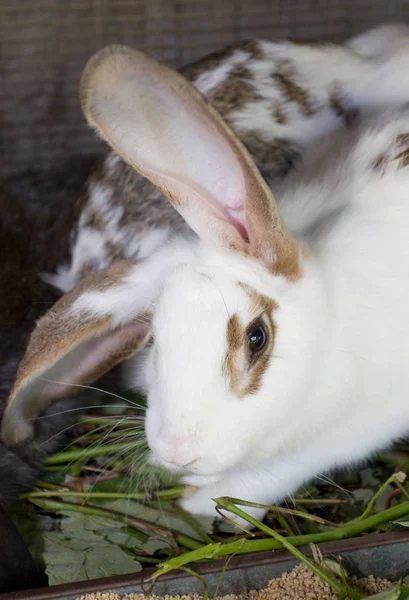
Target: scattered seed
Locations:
point(299, 584)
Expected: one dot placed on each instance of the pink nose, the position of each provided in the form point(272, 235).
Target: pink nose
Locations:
point(180, 451)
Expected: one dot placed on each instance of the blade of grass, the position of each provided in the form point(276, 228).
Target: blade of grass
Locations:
point(285, 525)
point(396, 477)
point(225, 567)
point(244, 546)
point(192, 523)
point(285, 511)
point(59, 493)
point(200, 578)
point(81, 453)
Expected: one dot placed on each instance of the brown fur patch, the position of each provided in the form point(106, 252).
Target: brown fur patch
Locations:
point(95, 220)
point(234, 339)
point(232, 94)
point(242, 72)
point(276, 157)
point(278, 113)
point(114, 252)
point(143, 204)
point(284, 77)
point(246, 378)
point(340, 108)
point(396, 156)
point(403, 157)
point(380, 163)
point(208, 63)
point(254, 49)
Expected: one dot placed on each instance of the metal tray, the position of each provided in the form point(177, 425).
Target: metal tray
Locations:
point(385, 555)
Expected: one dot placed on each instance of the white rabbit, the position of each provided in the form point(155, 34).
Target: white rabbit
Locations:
point(280, 340)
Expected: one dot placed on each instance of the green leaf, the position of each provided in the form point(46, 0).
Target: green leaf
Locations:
point(63, 565)
point(158, 516)
point(84, 556)
point(107, 560)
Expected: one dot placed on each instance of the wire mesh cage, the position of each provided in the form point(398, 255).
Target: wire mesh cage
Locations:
point(44, 46)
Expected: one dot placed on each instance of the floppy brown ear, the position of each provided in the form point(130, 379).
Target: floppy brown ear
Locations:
point(161, 125)
point(82, 337)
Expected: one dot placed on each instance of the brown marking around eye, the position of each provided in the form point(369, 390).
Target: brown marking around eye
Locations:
point(246, 379)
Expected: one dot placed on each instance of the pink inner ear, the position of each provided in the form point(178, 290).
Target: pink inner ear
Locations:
point(209, 218)
point(239, 225)
point(155, 120)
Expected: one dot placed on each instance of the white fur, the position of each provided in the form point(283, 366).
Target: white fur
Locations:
point(337, 386)
point(380, 41)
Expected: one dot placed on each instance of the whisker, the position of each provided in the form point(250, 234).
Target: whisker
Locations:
point(330, 481)
point(95, 389)
point(66, 429)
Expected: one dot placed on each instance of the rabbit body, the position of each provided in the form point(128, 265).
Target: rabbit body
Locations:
point(335, 388)
point(325, 277)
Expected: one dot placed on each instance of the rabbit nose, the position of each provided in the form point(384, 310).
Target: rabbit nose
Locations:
point(180, 451)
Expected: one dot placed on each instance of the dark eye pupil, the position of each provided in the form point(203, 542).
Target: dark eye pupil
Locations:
point(256, 339)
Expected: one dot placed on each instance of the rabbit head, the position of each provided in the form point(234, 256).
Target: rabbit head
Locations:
point(231, 314)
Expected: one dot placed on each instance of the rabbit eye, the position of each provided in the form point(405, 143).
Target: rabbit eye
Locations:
point(256, 339)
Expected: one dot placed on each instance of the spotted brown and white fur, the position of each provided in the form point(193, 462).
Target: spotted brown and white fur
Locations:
point(278, 98)
point(322, 273)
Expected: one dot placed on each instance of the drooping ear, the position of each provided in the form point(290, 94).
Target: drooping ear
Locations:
point(104, 320)
point(161, 125)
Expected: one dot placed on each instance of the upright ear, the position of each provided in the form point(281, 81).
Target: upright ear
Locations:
point(160, 124)
point(102, 321)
